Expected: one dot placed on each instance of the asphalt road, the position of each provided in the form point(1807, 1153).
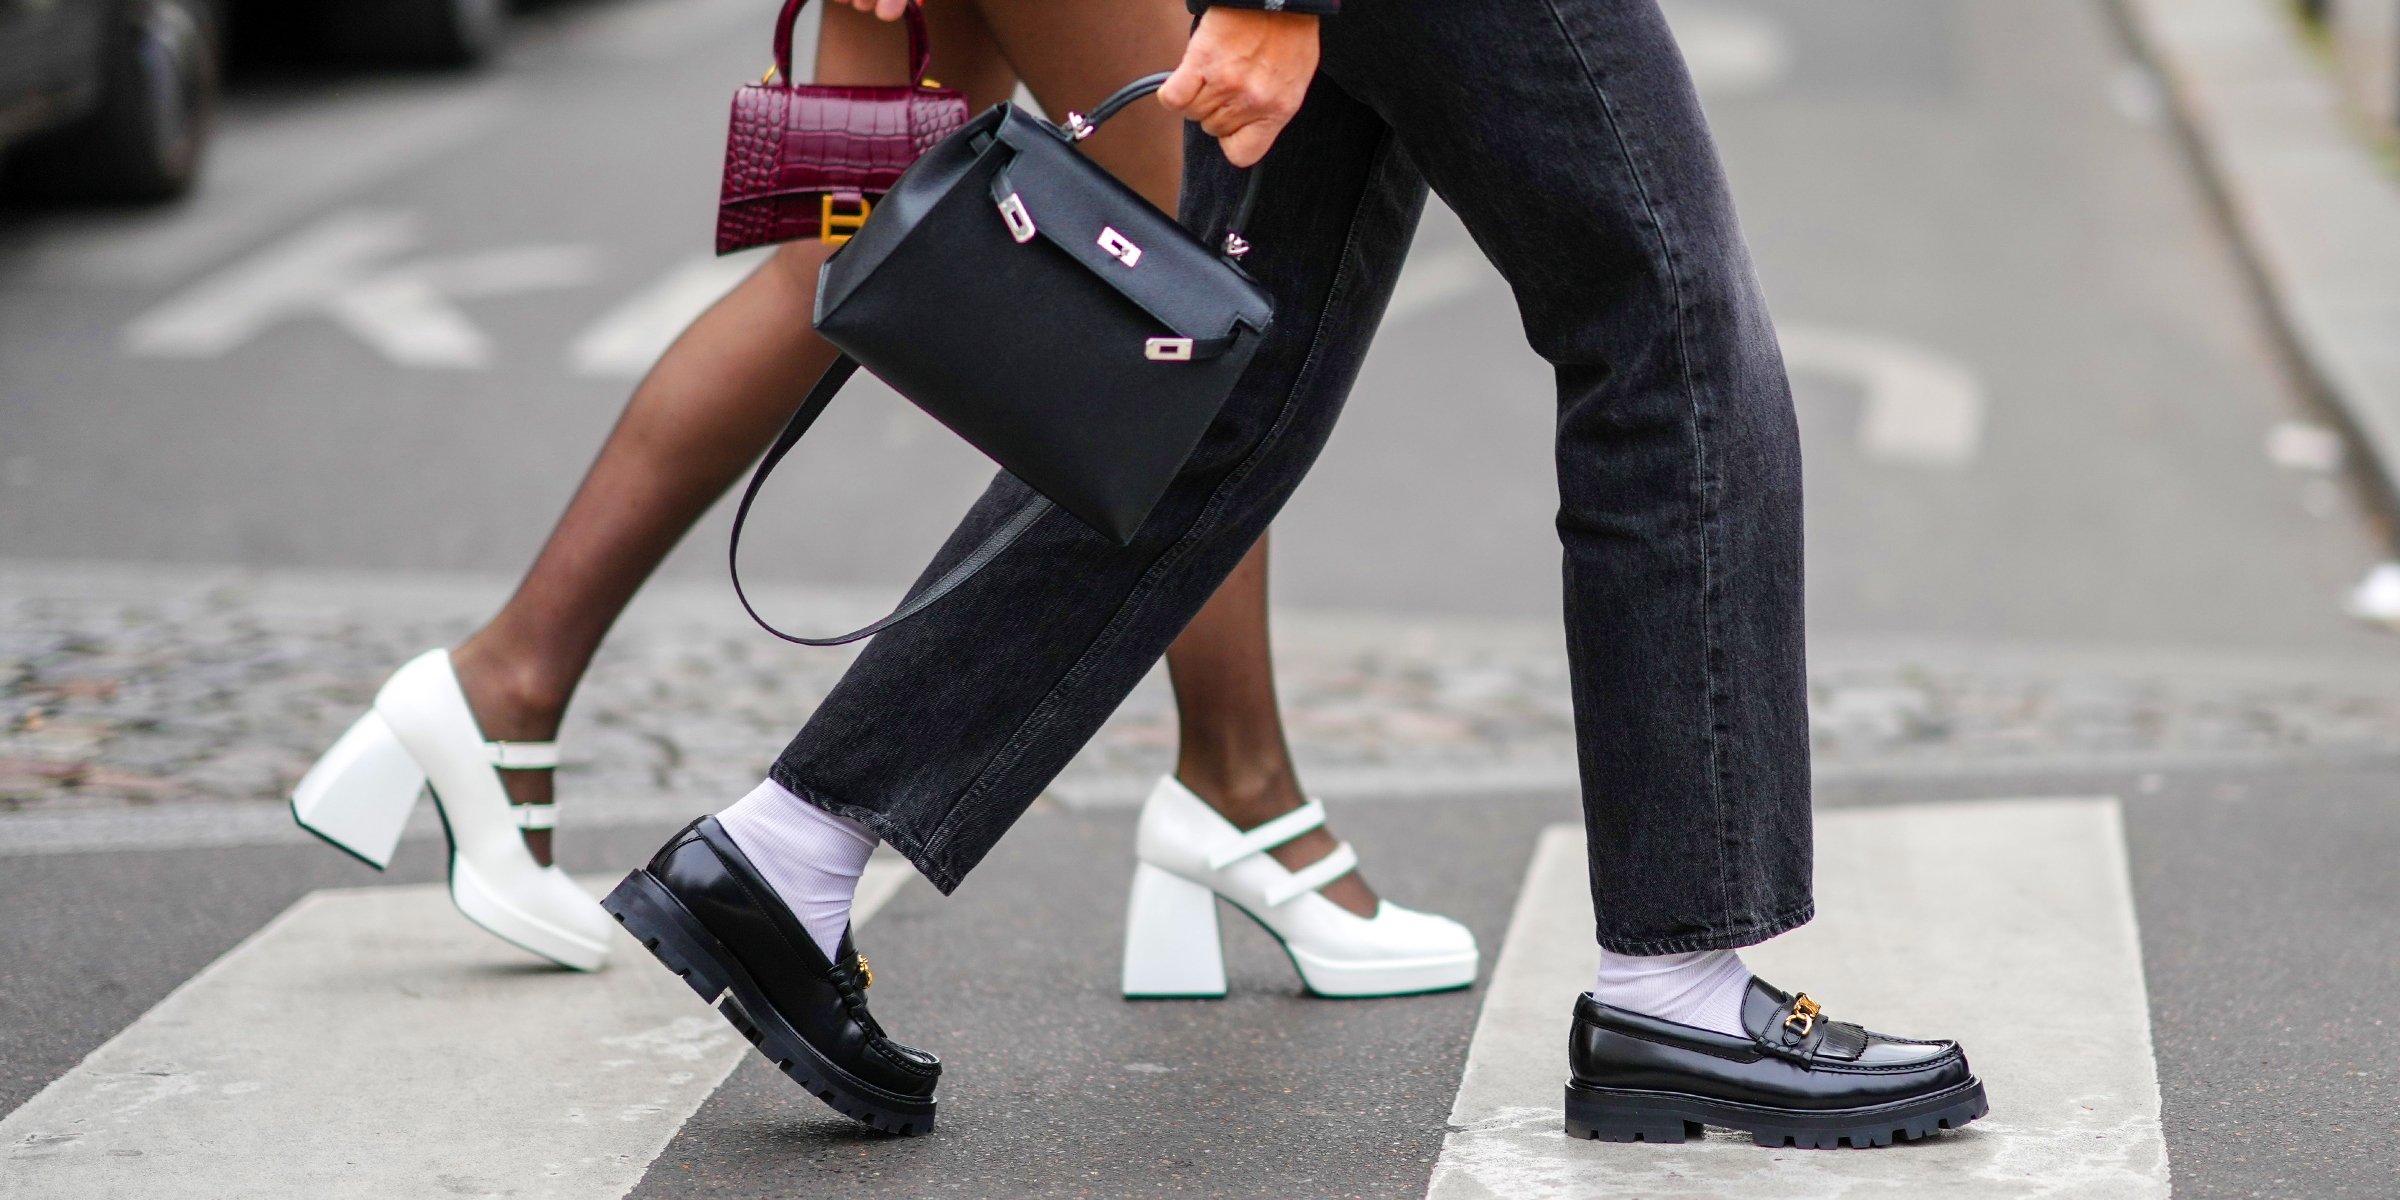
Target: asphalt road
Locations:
point(2037, 396)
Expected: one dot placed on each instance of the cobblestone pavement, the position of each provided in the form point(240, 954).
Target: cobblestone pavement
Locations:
point(153, 689)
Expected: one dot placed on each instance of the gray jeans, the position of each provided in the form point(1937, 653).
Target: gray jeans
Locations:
point(1566, 135)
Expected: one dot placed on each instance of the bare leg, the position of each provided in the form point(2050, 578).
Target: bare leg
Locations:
point(1232, 750)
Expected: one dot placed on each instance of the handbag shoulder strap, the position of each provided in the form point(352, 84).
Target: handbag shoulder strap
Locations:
point(818, 397)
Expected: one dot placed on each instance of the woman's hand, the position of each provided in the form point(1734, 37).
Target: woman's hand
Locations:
point(1243, 76)
point(888, 10)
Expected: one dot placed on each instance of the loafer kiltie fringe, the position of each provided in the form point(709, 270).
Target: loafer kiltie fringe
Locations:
point(1187, 856)
point(421, 731)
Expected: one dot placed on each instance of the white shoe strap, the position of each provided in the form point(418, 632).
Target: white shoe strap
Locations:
point(1270, 835)
point(522, 756)
point(535, 816)
point(1315, 875)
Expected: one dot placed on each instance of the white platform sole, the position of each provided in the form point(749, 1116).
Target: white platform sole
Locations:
point(488, 907)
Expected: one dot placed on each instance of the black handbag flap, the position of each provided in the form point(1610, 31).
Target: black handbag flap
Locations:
point(1122, 238)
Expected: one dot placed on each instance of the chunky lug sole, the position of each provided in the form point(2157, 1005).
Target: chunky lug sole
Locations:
point(1175, 950)
point(1612, 1115)
point(668, 930)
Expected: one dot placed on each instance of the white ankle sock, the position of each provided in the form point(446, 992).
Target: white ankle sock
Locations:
point(1703, 989)
point(811, 857)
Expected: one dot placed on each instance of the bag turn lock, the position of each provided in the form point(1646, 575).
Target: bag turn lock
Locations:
point(1020, 222)
point(835, 226)
point(1119, 246)
point(1174, 349)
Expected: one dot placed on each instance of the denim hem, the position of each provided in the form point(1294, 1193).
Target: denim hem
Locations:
point(1730, 939)
point(898, 838)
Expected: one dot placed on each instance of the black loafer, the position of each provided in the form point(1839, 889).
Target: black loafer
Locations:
point(1798, 1079)
point(705, 912)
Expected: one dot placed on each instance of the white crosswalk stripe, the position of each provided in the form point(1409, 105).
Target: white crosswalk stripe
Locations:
point(368, 1042)
point(2008, 924)
point(625, 341)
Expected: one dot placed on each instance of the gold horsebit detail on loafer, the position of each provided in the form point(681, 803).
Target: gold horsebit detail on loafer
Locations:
point(1803, 1015)
point(866, 974)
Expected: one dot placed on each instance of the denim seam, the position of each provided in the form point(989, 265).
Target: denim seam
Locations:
point(1702, 497)
point(1046, 711)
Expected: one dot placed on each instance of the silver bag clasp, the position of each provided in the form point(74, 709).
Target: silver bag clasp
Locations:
point(1020, 222)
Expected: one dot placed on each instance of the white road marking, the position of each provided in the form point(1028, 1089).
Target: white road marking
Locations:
point(340, 269)
point(1729, 50)
point(266, 171)
point(1920, 408)
point(2376, 599)
point(2008, 924)
point(625, 342)
point(370, 1042)
point(2305, 446)
point(295, 275)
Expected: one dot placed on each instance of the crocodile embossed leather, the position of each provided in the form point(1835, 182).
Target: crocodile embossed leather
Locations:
point(806, 160)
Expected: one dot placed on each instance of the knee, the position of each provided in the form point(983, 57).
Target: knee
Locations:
point(794, 265)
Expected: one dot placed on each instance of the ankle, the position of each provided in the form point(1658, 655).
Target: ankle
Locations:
point(1248, 795)
point(513, 700)
point(1704, 988)
point(810, 857)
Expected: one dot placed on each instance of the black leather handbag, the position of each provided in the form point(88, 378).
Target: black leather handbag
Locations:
point(1046, 313)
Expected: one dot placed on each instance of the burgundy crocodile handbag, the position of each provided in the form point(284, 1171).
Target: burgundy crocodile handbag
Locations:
point(811, 160)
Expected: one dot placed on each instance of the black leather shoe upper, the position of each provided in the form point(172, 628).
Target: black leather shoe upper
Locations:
point(1792, 1057)
point(824, 1002)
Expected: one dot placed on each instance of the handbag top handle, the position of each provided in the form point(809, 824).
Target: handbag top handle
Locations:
point(1082, 125)
point(920, 48)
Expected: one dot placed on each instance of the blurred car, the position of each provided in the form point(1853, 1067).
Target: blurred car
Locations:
point(420, 33)
point(105, 100)
point(377, 33)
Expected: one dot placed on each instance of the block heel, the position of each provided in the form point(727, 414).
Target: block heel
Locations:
point(359, 793)
point(1174, 948)
point(1595, 1115)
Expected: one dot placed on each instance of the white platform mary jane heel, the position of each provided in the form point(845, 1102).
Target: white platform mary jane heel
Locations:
point(420, 731)
point(1187, 856)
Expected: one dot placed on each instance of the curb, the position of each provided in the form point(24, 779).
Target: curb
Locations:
point(2316, 216)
